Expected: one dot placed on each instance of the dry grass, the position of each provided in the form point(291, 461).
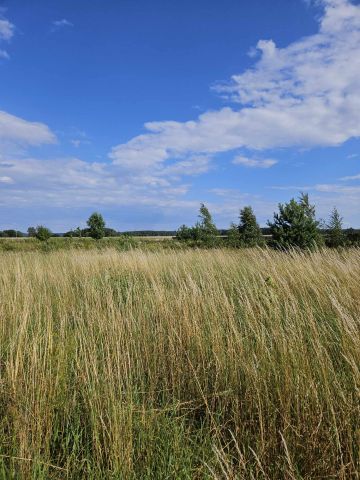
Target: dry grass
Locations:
point(179, 365)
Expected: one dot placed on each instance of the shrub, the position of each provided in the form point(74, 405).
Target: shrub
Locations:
point(42, 233)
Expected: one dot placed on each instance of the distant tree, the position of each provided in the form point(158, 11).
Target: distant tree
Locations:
point(353, 237)
point(110, 232)
point(31, 231)
point(295, 226)
point(11, 233)
point(336, 237)
point(42, 233)
point(249, 230)
point(96, 226)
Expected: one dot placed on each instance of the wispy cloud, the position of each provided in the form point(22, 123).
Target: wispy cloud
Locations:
point(7, 30)
point(350, 177)
point(59, 24)
point(5, 179)
point(253, 162)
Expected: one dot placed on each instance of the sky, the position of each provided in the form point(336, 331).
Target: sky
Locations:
point(143, 109)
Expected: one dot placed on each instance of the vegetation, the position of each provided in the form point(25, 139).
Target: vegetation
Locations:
point(96, 226)
point(249, 230)
point(204, 233)
point(11, 234)
point(179, 365)
point(295, 226)
point(42, 233)
point(336, 237)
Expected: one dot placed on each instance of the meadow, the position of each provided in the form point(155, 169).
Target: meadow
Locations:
point(179, 364)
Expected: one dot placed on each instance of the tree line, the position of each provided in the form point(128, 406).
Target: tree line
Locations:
point(294, 225)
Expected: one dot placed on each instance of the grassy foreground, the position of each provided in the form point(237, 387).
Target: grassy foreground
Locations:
point(179, 365)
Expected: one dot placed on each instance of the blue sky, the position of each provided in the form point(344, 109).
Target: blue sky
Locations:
point(143, 109)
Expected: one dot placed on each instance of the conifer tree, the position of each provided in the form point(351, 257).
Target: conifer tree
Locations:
point(336, 237)
point(295, 226)
point(249, 230)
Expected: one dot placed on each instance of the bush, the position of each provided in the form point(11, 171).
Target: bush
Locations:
point(42, 233)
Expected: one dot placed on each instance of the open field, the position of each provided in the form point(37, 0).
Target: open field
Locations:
point(179, 365)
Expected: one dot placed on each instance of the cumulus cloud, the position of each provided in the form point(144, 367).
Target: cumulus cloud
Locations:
point(304, 95)
point(253, 162)
point(15, 130)
point(65, 182)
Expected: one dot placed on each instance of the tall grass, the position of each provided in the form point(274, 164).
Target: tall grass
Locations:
point(179, 365)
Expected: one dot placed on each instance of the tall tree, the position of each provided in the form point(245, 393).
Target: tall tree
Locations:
point(249, 230)
point(336, 237)
point(96, 226)
point(295, 225)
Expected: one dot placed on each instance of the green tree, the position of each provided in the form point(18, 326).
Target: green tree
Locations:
point(96, 226)
point(233, 236)
point(205, 230)
point(295, 225)
point(42, 233)
point(249, 230)
point(185, 233)
point(336, 237)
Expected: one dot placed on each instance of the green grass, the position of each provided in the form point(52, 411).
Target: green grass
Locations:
point(172, 364)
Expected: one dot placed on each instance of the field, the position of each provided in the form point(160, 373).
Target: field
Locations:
point(218, 364)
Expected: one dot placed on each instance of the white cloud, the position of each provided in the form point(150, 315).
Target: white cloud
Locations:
point(304, 95)
point(6, 33)
point(58, 24)
point(65, 182)
point(6, 29)
point(351, 177)
point(15, 130)
point(254, 163)
point(6, 180)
